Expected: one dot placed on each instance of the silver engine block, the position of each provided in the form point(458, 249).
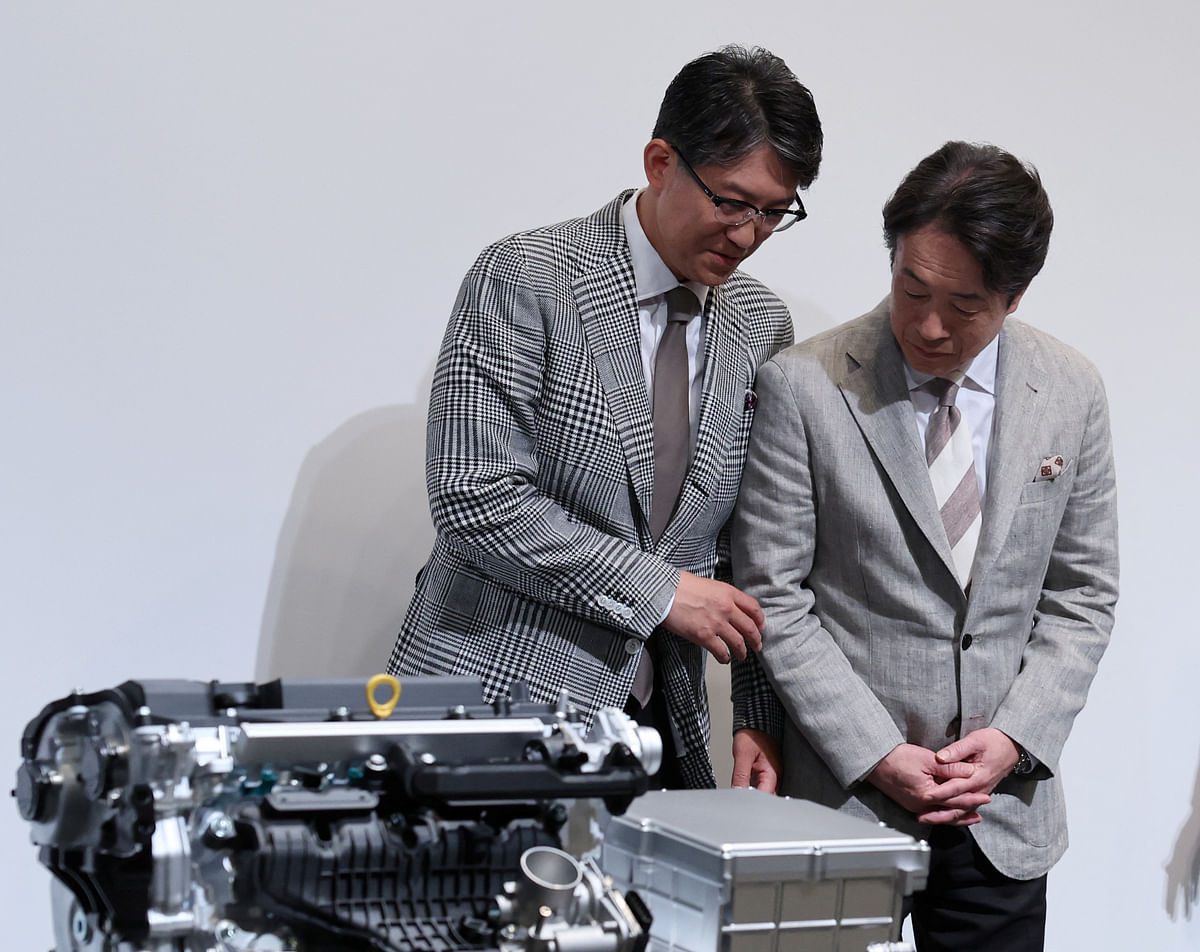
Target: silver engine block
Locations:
point(185, 815)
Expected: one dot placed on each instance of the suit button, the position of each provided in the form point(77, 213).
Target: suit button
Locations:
point(966, 641)
point(632, 645)
point(953, 727)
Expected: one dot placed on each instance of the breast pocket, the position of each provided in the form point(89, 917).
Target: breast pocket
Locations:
point(1047, 490)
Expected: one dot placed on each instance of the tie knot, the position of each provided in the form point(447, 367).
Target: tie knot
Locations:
point(945, 390)
point(682, 305)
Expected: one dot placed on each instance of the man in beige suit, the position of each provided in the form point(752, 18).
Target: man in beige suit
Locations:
point(928, 520)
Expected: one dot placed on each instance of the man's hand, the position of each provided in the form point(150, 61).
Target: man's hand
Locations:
point(756, 760)
point(934, 791)
point(990, 752)
point(719, 618)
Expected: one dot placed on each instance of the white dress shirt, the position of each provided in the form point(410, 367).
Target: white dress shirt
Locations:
point(976, 401)
point(653, 279)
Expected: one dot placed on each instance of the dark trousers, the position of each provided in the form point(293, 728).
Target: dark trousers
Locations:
point(655, 715)
point(968, 906)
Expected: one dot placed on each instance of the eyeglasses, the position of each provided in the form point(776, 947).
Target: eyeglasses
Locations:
point(732, 211)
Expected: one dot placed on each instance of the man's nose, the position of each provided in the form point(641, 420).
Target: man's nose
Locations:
point(745, 234)
point(931, 326)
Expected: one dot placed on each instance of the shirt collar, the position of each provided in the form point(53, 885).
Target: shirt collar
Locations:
point(651, 276)
point(980, 373)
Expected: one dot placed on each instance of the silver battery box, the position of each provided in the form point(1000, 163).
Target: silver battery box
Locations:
point(744, 871)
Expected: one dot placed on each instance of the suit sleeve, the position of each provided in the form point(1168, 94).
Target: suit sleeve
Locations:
point(774, 538)
point(775, 336)
point(1075, 610)
point(482, 463)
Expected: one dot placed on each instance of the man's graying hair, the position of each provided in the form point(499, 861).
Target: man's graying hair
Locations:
point(722, 106)
point(985, 197)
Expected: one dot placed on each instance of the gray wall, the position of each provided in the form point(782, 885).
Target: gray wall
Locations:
point(230, 235)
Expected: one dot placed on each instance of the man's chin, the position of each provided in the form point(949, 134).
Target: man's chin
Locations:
point(933, 364)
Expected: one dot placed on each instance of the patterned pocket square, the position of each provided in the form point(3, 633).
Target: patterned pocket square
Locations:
point(1049, 468)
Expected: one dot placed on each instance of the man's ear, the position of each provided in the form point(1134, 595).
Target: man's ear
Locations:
point(1015, 301)
point(657, 158)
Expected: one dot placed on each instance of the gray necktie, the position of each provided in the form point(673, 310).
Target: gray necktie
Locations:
point(951, 463)
point(672, 422)
point(672, 439)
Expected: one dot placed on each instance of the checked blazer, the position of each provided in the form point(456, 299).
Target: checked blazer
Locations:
point(870, 641)
point(539, 464)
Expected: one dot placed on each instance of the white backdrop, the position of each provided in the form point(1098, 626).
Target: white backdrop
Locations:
point(230, 235)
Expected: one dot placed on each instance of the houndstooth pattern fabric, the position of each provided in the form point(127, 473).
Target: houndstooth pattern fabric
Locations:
point(539, 464)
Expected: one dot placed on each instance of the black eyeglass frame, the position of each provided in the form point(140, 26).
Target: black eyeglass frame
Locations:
point(788, 216)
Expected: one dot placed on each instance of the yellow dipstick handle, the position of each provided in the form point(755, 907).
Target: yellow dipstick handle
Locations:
point(382, 709)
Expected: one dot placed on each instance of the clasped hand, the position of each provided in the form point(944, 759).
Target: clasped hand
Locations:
point(950, 785)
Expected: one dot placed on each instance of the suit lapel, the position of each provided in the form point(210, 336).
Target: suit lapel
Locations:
point(607, 300)
point(606, 296)
point(876, 393)
point(1021, 397)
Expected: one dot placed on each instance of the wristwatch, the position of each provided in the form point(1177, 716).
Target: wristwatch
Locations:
point(1024, 764)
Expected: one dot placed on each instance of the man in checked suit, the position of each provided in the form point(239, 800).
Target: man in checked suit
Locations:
point(926, 686)
point(551, 565)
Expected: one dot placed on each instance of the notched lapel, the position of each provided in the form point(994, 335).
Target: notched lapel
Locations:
point(607, 300)
point(1022, 393)
point(876, 393)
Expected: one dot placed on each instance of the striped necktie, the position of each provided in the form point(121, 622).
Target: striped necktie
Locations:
point(952, 471)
